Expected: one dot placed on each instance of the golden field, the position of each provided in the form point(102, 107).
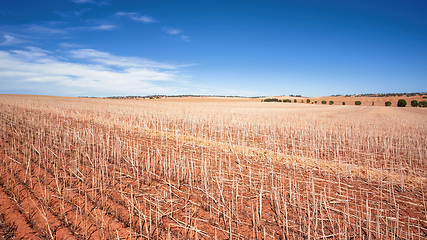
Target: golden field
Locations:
point(211, 168)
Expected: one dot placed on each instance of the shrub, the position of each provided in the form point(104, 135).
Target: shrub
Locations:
point(422, 104)
point(373, 103)
point(414, 103)
point(358, 103)
point(315, 102)
point(271, 100)
point(287, 100)
point(343, 103)
point(308, 100)
point(388, 103)
point(401, 103)
point(323, 102)
point(295, 100)
point(331, 102)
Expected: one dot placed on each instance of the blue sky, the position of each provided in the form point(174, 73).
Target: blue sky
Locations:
point(233, 47)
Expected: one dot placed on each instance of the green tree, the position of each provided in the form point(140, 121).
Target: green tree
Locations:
point(358, 103)
point(271, 100)
point(388, 103)
point(308, 100)
point(401, 103)
point(331, 102)
point(422, 104)
point(343, 103)
point(323, 102)
point(414, 103)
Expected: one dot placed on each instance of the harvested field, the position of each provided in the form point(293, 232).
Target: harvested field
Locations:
point(78, 168)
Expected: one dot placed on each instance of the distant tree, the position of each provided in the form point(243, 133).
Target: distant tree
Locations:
point(373, 103)
point(315, 102)
point(287, 100)
point(295, 100)
point(323, 102)
point(401, 103)
point(422, 104)
point(343, 103)
point(414, 103)
point(308, 100)
point(358, 103)
point(271, 100)
point(388, 103)
point(331, 102)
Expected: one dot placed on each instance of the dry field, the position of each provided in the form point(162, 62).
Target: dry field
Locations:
point(74, 168)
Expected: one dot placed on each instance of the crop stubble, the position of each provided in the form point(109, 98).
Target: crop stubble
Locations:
point(174, 169)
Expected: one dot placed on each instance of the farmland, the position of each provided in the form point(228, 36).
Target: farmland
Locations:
point(211, 168)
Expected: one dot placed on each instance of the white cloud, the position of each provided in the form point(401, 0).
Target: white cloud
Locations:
point(104, 27)
point(39, 29)
point(91, 73)
point(136, 17)
point(70, 45)
point(9, 40)
point(176, 32)
point(108, 59)
point(185, 38)
point(172, 31)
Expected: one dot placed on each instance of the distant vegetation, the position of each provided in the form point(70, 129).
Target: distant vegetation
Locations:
point(271, 100)
point(401, 103)
point(331, 102)
point(383, 94)
point(358, 103)
point(388, 103)
point(422, 104)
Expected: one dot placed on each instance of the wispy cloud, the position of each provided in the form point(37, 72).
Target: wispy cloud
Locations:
point(185, 38)
point(108, 59)
point(176, 32)
point(136, 17)
point(50, 30)
point(86, 72)
point(103, 27)
point(70, 45)
point(10, 40)
point(171, 31)
point(43, 29)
